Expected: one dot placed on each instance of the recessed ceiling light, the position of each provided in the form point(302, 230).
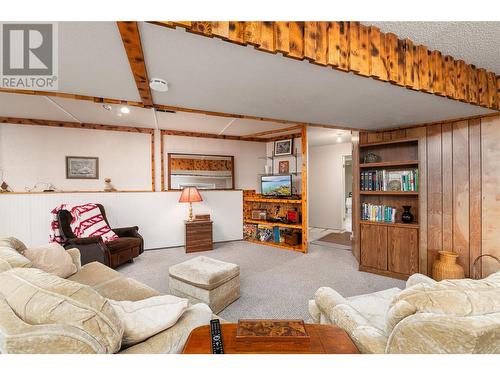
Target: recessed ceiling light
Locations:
point(107, 107)
point(158, 84)
point(124, 110)
point(339, 139)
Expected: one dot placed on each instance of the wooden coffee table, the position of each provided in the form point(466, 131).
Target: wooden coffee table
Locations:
point(325, 339)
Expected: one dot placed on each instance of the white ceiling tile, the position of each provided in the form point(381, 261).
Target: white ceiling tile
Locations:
point(93, 61)
point(30, 106)
point(90, 112)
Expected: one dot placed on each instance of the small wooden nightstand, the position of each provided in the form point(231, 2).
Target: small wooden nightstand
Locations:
point(198, 236)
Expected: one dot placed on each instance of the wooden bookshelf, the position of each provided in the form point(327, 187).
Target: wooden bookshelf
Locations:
point(390, 164)
point(381, 192)
point(277, 208)
point(273, 223)
point(389, 249)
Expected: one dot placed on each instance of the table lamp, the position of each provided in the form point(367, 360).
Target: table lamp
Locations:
point(190, 195)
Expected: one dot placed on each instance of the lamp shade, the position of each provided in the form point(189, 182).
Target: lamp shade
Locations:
point(190, 194)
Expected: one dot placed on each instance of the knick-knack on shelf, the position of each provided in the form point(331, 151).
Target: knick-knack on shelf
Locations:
point(407, 217)
point(108, 186)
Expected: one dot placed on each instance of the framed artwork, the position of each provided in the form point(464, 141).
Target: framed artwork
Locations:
point(283, 147)
point(82, 167)
point(283, 167)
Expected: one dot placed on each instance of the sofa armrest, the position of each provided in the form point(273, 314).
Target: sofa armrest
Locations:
point(418, 278)
point(126, 231)
point(430, 333)
point(92, 249)
point(75, 257)
point(326, 299)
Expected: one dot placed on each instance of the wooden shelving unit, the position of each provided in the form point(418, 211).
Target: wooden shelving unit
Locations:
point(380, 192)
point(277, 207)
point(389, 249)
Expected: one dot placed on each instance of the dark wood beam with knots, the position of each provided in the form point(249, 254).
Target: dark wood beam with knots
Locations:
point(129, 31)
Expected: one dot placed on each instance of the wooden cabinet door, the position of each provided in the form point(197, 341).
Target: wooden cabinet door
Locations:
point(374, 246)
point(403, 250)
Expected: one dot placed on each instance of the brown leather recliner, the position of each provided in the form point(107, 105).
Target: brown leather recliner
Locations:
point(92, 249)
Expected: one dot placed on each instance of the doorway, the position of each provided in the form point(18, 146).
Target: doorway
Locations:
point(330, 187)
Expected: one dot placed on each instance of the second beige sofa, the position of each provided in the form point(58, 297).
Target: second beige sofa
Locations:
point(109, 284)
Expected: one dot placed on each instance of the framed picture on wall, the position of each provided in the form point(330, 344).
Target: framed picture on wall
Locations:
point(284, 147)
point(284, 167)
point(82, 167)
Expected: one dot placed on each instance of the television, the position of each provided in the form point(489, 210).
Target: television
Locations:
point(276, 186)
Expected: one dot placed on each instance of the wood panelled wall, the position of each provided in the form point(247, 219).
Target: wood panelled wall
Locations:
point(364, 50)
point(460, 191)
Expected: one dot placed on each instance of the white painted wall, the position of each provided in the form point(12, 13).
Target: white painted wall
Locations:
point(31, 154)
point(247, 165)
point(325, 185)
point(159, 215)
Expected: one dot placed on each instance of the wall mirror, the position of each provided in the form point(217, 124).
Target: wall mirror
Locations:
point(201, 171)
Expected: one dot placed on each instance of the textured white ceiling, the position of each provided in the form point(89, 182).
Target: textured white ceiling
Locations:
point(476, 43)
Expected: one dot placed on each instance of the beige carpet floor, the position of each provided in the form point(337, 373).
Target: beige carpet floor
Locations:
point(274, 283)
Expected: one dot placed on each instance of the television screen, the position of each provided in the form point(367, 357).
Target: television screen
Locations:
point(276, 186)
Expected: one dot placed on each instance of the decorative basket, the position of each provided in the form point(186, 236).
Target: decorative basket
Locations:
point(446, 267)
point(474, 272)
point(371, 158)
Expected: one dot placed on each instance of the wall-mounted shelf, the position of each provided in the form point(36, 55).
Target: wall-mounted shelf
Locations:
point(279, 245)
point(273, 223)
point(399, 225)
point(404, 163)
point(380, 192)
point(259, 198)
point(392, 142)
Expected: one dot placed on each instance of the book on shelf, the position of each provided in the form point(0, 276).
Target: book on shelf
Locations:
point(389, 180)
point(379, 213)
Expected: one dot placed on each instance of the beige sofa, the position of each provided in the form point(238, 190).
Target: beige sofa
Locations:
point(89, 287)
point(451, 316)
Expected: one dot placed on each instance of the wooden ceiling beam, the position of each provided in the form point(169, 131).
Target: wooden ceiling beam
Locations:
point(363, 50)
point(182, 133)
point(73, 125)
point(274, 131)
point(129, 31)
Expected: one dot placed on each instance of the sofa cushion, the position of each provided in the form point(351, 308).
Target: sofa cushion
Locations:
point(204, 272)
point(459, 298)
point(112, 284)
point(145, 318)
point(11, 258)
point(373, 307)
point(13, 243)
point(52, 258)
point(39, 298)
point(172, 340)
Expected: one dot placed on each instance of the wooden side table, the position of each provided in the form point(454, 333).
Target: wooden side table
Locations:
point(325, 339)
point(198, 236)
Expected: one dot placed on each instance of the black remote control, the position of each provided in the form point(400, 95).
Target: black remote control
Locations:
point(216, 336)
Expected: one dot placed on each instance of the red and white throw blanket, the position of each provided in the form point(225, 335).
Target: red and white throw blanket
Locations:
point(87, 222)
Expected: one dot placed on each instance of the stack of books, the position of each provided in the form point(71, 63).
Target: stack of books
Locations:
point(376, 212)
point(389, 180)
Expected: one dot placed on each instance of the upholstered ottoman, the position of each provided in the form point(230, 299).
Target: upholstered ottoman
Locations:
point(207, 280)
